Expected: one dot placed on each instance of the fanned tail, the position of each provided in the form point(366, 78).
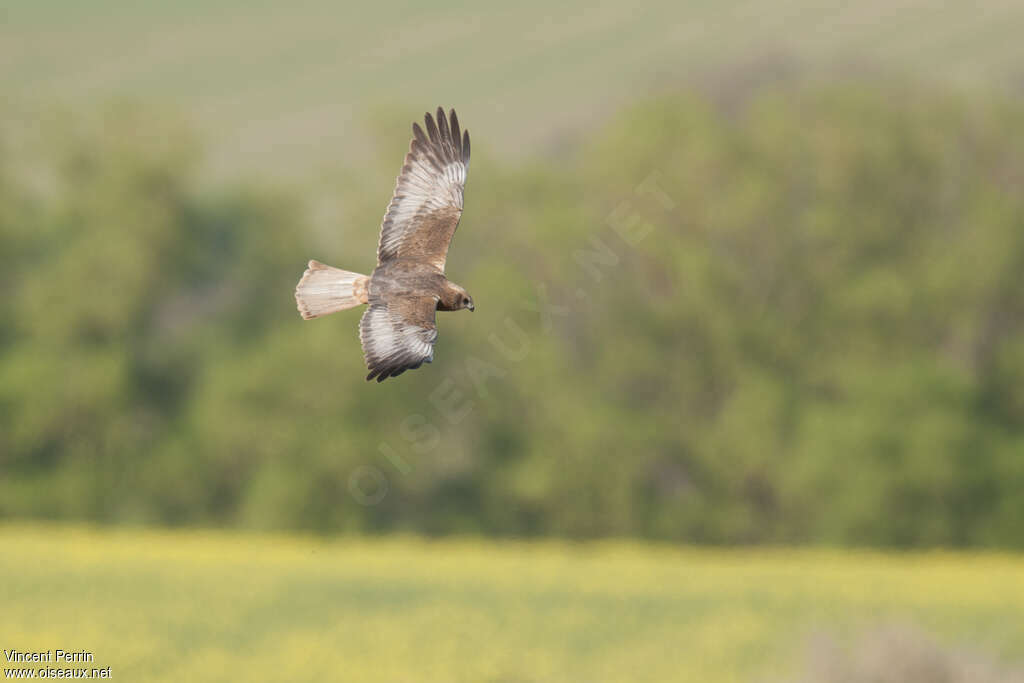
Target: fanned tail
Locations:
point(324, 289)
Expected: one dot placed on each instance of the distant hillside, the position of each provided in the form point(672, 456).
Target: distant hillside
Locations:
point(287, 88)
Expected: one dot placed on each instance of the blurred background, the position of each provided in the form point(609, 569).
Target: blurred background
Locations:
point(741, 400)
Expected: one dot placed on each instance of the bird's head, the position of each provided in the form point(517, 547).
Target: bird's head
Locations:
point(454, 298)
point(463, 299)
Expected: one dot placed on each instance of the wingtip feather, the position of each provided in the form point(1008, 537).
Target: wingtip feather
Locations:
point(432, 131)
point(442, 126)
point(419, 134)
point(456, 133)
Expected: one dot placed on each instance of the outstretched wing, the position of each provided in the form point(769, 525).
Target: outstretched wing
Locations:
point(427, 203)
point(398, 335)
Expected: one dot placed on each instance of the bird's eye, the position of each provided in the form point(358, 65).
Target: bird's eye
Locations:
point(465, 301)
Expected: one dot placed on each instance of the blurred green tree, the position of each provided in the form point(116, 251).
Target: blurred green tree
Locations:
point(792, 316)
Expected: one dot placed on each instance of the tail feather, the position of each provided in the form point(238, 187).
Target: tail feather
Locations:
point(324, 289)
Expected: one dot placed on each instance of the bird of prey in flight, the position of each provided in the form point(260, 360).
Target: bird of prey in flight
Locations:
point(398, 329)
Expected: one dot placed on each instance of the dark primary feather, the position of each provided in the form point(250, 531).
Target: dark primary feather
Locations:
point(456, 135)
point(435, 137)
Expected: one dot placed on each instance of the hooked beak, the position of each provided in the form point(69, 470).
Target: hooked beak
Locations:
point(471, 308)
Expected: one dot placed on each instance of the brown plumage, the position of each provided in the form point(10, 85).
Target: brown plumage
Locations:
point(408, 285)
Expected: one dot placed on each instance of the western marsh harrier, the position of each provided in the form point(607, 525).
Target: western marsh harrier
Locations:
point(408, 285)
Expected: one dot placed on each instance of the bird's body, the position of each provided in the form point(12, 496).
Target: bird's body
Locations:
point(397, 279)
point(408, 285)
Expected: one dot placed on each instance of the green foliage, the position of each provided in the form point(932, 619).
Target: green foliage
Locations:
point(792, 315)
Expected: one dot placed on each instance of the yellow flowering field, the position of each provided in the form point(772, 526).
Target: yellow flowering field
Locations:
point(219, 606)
